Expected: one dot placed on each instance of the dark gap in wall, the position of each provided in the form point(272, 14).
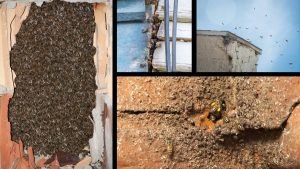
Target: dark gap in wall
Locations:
point(105, 21)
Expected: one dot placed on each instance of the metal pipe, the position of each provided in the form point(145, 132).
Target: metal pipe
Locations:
point(167, 38)
point(175, 9)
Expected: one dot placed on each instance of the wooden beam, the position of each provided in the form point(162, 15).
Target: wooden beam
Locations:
point(184, 10)
point(183, 57)
point(184, 31)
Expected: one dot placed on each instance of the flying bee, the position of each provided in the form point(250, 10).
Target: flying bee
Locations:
point(169, 148)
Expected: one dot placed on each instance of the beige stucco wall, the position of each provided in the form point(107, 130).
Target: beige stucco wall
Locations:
point(214, 56)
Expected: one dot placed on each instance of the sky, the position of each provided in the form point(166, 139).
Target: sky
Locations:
point(272, 25)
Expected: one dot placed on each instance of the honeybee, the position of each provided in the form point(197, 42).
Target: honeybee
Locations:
point(170, 148)
point(217, 108)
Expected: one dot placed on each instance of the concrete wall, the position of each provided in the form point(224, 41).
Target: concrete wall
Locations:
point(212, 55)
point(215, 56)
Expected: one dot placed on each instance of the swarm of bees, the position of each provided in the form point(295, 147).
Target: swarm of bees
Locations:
point(217, 109)
point(152, 31)
point(56, 79)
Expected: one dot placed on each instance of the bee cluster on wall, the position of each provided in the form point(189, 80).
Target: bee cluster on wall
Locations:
point(153, 40)
point(55, 78)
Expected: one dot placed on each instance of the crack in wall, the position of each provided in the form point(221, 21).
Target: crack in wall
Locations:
point(154, 112)
point(268, 134)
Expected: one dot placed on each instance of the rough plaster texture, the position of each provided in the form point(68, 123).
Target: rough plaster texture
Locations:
point(244, 58)
point(290, 142)
point(214, 54)
point(247, 97)
point(152, 110)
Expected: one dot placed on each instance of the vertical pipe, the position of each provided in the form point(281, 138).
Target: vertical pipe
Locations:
point(175, 9)
point(167, 38)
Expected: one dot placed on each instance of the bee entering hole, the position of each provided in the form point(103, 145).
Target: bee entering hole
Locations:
point(218, 107)
point(211, 117)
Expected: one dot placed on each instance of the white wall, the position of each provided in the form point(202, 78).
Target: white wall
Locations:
point(243, 57)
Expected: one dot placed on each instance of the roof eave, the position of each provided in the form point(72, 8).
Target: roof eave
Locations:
point(227, 33)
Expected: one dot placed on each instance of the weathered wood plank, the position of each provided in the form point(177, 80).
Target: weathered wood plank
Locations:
point(12, 15)
point(183, 57)
point(184, 31)
point(131, 46)
point(103, 62)
point(184, 10)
